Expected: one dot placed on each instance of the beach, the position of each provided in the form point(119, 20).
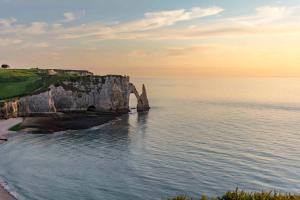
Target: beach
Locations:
point(4, 195)
point(6, 124)
point(4, 133)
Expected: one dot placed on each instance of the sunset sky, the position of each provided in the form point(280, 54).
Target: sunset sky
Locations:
point(154, 37)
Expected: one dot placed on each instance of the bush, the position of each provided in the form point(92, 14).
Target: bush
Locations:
point(16, 127)
point(4, 66)
point(241, 195)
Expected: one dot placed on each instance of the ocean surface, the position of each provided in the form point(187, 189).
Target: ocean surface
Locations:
point(202, 136)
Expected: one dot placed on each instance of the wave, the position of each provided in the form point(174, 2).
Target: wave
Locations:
point(8, 189)
point(92, 128)
point(105, 124)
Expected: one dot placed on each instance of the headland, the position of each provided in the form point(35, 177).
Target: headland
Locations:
point(52, 100)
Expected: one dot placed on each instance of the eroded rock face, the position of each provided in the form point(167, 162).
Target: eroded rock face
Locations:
point(143, 103)
point(104, 94)
point(9, 109)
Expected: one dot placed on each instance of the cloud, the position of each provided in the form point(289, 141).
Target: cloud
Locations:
point(9, 41)
point(183, 51)
point(266, 15)
point(150, 21)
point(9, 27)
point(159, 25)
point(42, 45)
point(36, 28)
point(276, 12)
point(154, 20)
point(266, 21)
point(7, 22)
point(71, 16)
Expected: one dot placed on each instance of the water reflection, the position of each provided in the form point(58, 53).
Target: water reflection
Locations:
point(142, 118)
point(114, 134)
point(190, 142)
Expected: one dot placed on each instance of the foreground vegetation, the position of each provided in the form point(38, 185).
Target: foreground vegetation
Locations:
point(241, 195)
point(16, 128)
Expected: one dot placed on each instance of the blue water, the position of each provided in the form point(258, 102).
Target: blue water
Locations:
point(205, 135)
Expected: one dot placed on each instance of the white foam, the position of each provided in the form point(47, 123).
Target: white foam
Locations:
point(5, 185)
point(105, 124)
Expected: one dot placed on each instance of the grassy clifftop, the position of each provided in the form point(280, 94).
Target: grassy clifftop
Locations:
point(22, 82)
point(17, 82)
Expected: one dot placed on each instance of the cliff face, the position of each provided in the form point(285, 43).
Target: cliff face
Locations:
point(93, 93)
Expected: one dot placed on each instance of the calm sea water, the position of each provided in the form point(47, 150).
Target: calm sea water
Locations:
point(205, 135)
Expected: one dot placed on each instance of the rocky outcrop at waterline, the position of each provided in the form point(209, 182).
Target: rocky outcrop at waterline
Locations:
point(143, 103)
point(87, 93)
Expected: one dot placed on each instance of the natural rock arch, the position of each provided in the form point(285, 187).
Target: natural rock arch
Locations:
point(142, 100)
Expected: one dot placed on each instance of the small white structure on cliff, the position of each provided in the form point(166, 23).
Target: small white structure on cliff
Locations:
point(69, 72)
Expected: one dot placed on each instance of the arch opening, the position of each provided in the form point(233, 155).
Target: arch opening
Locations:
point(91, 109)
point(132, 101)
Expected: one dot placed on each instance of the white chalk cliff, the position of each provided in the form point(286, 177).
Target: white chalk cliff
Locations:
point(98, 93)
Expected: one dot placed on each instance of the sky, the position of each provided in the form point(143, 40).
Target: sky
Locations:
point(154, 37)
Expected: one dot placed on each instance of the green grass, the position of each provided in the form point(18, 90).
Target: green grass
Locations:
point(18, 82)
point(22, 82)
point(241, 195)
point(16, 127)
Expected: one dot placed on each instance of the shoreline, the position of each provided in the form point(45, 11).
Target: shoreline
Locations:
point(5, 194)
point(6, 124)
point(49, 124)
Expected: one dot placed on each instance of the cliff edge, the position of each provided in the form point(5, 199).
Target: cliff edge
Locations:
point(73, 91)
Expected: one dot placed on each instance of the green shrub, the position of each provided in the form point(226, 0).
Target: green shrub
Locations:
point(242, 195)
point(16, 127)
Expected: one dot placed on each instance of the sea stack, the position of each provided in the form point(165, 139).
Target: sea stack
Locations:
point(143, 103)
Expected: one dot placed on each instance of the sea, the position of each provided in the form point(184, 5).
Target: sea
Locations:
point(201, 136)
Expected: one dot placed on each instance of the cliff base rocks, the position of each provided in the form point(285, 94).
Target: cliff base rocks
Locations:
point(65, 121)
